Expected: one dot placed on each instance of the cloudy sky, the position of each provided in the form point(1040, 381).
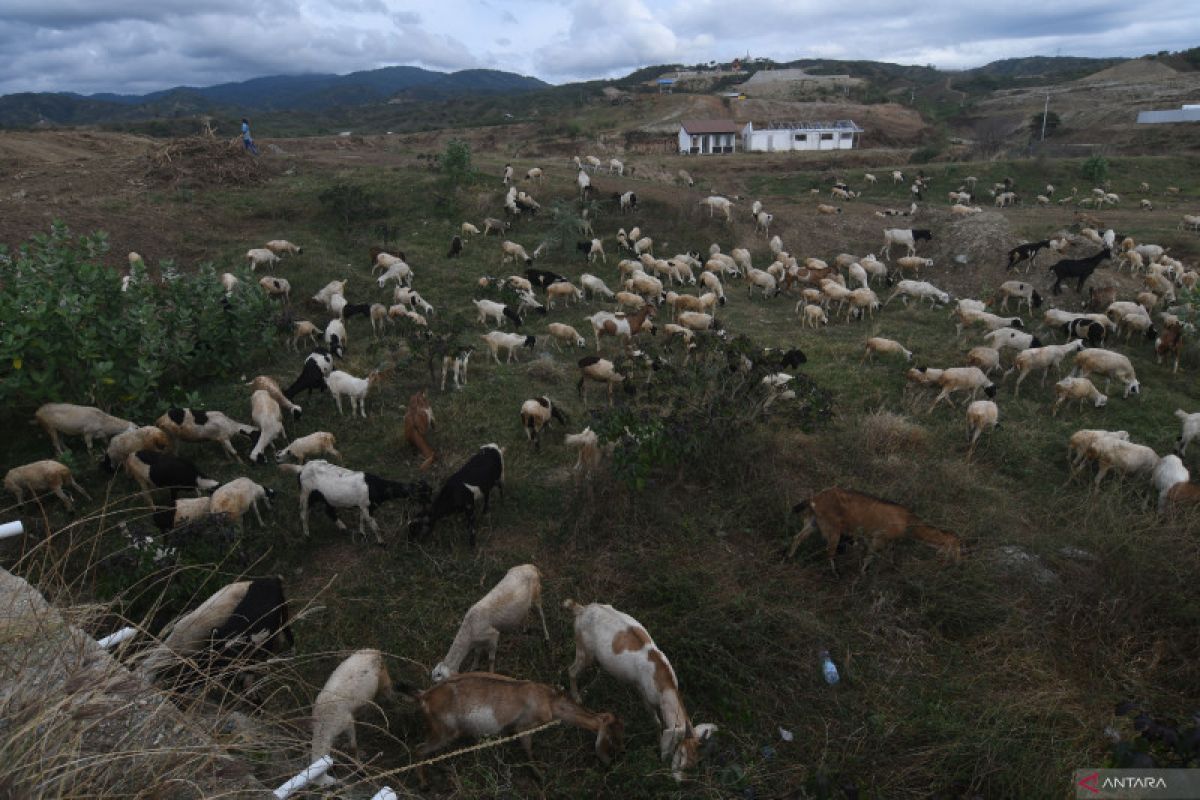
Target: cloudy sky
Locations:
point(135, 46)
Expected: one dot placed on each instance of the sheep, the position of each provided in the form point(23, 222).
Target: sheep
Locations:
point(643, 245)
point(920, 290)
point(961, 379)
point(229, 282)
point(301, 329)
point(476, 478)
point(266, 413)
point(269, 385)
point(502, 610)
point(234, 498)
point(305, 447)
point(71, 420)
point(566, 291)
point(897, 176)
point(1023, 292)
point(353, 685)
point(1126, 457)
point(981, 415)
point(317, 365)
point(986, 358)
point(595, 286)
point(1080, 389)
point(860, 301)
point(622, 327)
point(535, 415)
point(762, 221)
point(561, 332)
point(42, 476)
point(511, 251)
point(874, 268)
point(1080, 268)
point(1044, 358)
point(715, 202)
point(397, 271)
point(327, 292)
point(204, 426)
point(924, 376)
point(858, 274)
point(154, 470)
point(1110, 365)
point(479, 704)
point(824, 208)
point(498, 340)
point(776, 245)
point(902, 236)
point(584, 183)
point(686, 177)
point(276, 287)
point(1081, 440)
point(757, 278)
point(838, 512)
point(335, 338)
point(492, 224)
point(343, 383)
point(281, 247)
point(913, 264)
point(813, 315)
point(1169, 473)
point(1010, 338)
point(491, 310)
point(869, 178)
point(1191, 430)
point(877, 344)
point(1140, 323)
point(671, 329)
point(149, 437)
point(967, 316)
point(467, 230)
point(711, 282)
point(338, 487)
point(697, 321)
point(260, 257)
point(597, 369)
point(623, 648)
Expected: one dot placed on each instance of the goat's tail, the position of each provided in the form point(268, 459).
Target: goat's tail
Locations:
point(572, 606)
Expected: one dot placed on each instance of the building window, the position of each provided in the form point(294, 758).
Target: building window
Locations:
point(826, 137)
point(801, 137)
point(846, 136)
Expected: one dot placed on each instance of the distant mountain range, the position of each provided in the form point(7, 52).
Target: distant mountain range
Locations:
point(274, 93)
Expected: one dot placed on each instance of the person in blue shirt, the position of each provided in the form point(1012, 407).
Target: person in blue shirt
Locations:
point(247, 142)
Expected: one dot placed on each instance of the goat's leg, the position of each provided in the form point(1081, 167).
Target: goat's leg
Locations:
point(810, 525)
point(583, 660)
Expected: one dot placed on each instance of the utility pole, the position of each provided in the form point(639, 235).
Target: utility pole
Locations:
point(1045, 113)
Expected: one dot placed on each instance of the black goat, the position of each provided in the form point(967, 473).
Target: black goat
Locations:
point(1081, 268)
point(1026, 252)
point(153, 470)
point(456, 247)
point(459, 493)
point(356, 309)
point(543, 278)
point(318, 364)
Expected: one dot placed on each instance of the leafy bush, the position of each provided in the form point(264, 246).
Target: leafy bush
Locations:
point(68, 332)
point(456, 163)
point(348, 203)
point(1095, 169)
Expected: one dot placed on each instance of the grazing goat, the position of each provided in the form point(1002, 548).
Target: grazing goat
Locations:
point(305, 447)
point(353, 685)
point(1110, 365)
point(418, 421)
point(1041, 358)
point(623, 648)
point(1026, 252)
point(154, 470)
point(193, 425)
point(605, 323)
point(510, 342)
point(502, 610)
point(42, 476)
point(903, 236)
point(317, 365)
point(475, 479)
point(148, 437)
point(981, 415)
point(478, 704)
point(240, 495)
point(535, 415)
point(338, 487)
point(961, 379)
point(838, 512)
point(72, 420)
point(601, 370)
point(1191, 430)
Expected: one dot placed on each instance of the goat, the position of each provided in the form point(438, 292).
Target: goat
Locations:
point(838, 512)
point(475, 479)
point(535, 415)
point(352, 685)
point(338, 487)
point(1080, 268)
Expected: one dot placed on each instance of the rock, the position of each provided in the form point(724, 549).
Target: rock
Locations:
point(1015, 559)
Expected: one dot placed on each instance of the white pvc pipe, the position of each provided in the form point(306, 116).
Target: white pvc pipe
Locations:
point(11, 529)
point(385, 793)
point(114, 639)
point(309, 774)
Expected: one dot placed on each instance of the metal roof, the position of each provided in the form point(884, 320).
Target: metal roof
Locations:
point(694, 126)
point(840, 125)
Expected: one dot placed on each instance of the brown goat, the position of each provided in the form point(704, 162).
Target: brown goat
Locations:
point(1170, 343)
point(418, 420)
point(838, 512)
point(477, 704)
point(1100, 298)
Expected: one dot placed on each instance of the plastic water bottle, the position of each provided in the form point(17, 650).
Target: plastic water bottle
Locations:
point(829, 668)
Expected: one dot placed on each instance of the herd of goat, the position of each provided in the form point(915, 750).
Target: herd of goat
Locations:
point(251, 616)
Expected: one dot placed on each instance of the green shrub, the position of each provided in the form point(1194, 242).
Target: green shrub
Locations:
point(348, 204)
point(1095, 169)
point(68, 332)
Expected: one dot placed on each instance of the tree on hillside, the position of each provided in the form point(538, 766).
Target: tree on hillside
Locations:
point(1035, 124)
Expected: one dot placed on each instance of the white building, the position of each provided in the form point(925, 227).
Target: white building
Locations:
point(782, 136)
point(708, 136)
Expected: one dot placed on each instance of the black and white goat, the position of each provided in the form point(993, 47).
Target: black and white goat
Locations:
point(337, 487)
point(459, 493)
point(316, 369)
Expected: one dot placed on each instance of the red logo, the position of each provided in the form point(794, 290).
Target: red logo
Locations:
point(1090, 782)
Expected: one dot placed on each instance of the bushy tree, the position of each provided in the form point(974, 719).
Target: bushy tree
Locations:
point(1095, 169)
point(69, 333)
